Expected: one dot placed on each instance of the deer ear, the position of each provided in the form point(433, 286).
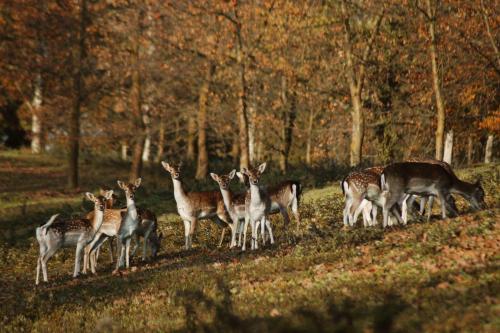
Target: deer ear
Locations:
point(120, 184)
point(244, 171)
point(90, 196)
point(262, 167)
point(108, 194)
point(137, 182)
point(214, 176)
point(102, 192)
point(166, 166)
point(232, 173)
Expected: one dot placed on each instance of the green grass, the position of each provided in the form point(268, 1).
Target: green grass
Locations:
point(437, 276)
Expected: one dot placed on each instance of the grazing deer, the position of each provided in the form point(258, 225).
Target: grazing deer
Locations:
point(425, 179)
point(194, 206)
point(257, 207)
point(354, 188)
point(78, 231)
point(234, 203)
point(283, 196)
point(426, 201)
point(120, 223)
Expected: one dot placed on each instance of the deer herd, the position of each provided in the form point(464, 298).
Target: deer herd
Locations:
point(394, 188)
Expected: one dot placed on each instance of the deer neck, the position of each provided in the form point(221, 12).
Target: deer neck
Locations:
point(98, 221)
point(179, 193)
point(227, 198)
point(131, 209)
point(255, 193)
point(463, 188)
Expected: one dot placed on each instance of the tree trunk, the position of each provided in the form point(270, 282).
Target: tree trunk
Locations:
point(436, 81)
point(288, 117)
point(202, 165)
point(309, 138)
point(489, 149)
point(242, 99)
point(36, 122)
point(78, 83)
point(146, 152)
point(251, 132)
point(355, 81)
point(448, 148)
point(191, 138)
point(469, 150)
point(161, 141)
point(235, 150)
point(136, 167)
point(124, 151)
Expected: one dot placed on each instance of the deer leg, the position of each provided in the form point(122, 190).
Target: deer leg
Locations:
point(48, 254)
point(111, 249)
point(241, 227)
point(358, 210)
point(367, 219)
point(187, 227)
point(270, 230)
point(222, 237)
point(247, 220)
point(430, 203)
point(423, 201)
point(374, 213)
point(137, 242)
point(404, 207)
point(78, 255)
point(145, 243)
point(95, 244)
point(263, 230)
point(191, 231)
point(442, 199)
point(38, 267)
point(347, 209)
point(295, 209)
point(255, 235)
point(127, 251)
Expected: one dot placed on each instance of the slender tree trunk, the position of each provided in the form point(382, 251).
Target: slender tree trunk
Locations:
point(489, 149)
point(202, 165)
point(124, 151)
point(469, 150)
point(139, 135)
point(191, 138)
point(448, 147)
point(235, 150)
point(146, 151)
point(242, 98)
point(355, 81)
point(36, 122)
point(309, 137)
point(161, 141)
point(251, 132)
point(288, 117)
point(74, 122)
point(436, 81)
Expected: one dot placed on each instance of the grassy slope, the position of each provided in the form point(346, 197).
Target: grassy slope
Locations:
point(438, 276)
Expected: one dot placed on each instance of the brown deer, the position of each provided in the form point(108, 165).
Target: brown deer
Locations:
point(79, 232)
point(194, 206)
point(426, 179)
point(354, 188)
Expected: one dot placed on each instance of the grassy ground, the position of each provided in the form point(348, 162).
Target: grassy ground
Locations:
point(437, 276)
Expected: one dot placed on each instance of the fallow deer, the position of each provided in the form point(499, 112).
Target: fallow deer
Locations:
point(194, 206)
point(234, 203)
point(354, 188)
point(425, 179)
point(119, 223)
point(283, 196)
point(257, 207)
point(57, 233)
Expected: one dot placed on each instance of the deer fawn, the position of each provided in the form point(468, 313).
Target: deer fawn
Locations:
point(257, 207)
point(58, 233)
point(427, 179)
point(234, 203)
point(148, 231)
point(283, 196)
point(120, 223)
point(194, 206)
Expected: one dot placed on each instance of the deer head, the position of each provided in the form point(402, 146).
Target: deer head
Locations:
point(100, 201)
point(175, 171)
point(223, 180)
point(109, 202)
point(476, 197)
point(130, 188)
point(254, 174)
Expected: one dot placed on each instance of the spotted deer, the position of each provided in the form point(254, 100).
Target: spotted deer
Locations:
point(354, 188)
point(194, 206)
point(283, 196)
point(234, 203)
point(121, 224)
point(426, 179)
point(257, 207)
point(79, 232)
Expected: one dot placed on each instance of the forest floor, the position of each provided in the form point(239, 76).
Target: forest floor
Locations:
point(318, 277)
